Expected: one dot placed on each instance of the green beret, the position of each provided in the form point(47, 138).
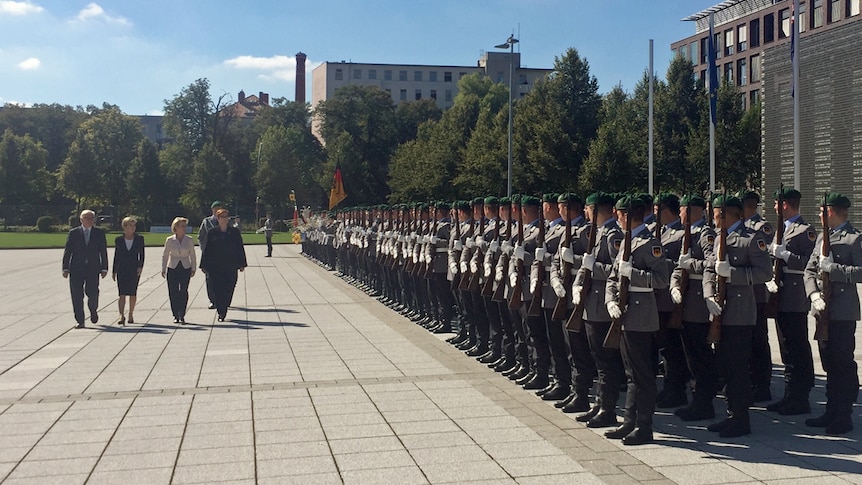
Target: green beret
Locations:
point(215, 204)
point(726, 201)
point(634, 201)
point(422, 206)
point(646, 197)
point(491, 200)
point(667, 198)
point(528, 200)
point(505, 200)
point(463, 205)
point(834, 199)
point(789, 193)
point(746, 194)
point(570, 198)
point(693, 200)
point(516, 199)
point(600, 198)
point(550, 198)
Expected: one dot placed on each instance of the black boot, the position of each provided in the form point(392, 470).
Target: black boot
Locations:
point(842, 422)
point(823, 420)
point(539, 381)
point(556, 393)
point(579, 404)
point(621, 431)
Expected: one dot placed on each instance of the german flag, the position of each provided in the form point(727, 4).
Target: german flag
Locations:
point(337, 193)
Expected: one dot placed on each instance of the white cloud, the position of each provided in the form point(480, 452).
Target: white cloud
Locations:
point(11, 7)
point(93, 11)
point(30, 64)
point(282, 68)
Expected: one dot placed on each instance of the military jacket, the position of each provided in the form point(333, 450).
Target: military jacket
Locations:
point(503, 267)
point(758, 223)
point(437, 252)
point(456, 247)
point(650, 272)
point(531, 234)
point(579, 241)
point(553, 238)
point(671, 241)
point(799, 238)
point(694, 306)
point(846, 244)
point(608, 243)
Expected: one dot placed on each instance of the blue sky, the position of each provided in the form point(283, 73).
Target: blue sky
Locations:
point(137, 53)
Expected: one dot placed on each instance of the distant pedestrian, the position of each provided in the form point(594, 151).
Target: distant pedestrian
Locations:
point(85, 259)
point(178, 262)
point(223, 255)
point(208, 224)
point(128, 265)
point(267, 231)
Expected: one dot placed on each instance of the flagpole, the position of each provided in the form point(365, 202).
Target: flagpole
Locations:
point(713, 88)
point(651, 170)
point(795, 61)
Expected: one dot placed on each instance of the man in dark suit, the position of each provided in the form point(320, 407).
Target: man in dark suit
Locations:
point(85, 259)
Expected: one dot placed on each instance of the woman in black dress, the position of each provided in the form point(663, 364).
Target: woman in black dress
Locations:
point(128, 264)
point(223, 255)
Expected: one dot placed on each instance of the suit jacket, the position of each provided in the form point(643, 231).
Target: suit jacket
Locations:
point(846, 244)
point(82, 258)
point(128, 261)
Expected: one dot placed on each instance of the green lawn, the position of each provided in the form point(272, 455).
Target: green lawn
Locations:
point(32, 240)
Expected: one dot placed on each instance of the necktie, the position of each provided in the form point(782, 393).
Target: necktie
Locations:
point(87, 237)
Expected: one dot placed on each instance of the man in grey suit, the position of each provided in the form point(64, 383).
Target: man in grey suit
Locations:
point(85, 259)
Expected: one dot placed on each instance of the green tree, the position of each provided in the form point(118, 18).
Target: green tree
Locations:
point(409, 115)
point(144, 182)
point(193, 119)
point(290, 159)
point(483, 169)
point(209, 178)
point(24, 178)
point(676, 117)
point(52, 125)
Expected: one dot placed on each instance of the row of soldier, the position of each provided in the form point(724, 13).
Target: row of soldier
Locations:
point(571, 297)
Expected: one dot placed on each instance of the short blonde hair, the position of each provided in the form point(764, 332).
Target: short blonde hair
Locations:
point(178, 221)
point(129, 221)
point(86, 213)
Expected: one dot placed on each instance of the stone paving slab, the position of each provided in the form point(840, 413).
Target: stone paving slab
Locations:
point(311, 381)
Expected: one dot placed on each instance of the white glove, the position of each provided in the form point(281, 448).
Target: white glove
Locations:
point(558, 288)
point(486, 270)
point(771, 286)
point(588, 262)
point(685, 261)
point(494, 246)
point(513, 280)
point(463, 266)
point(453, 268)
point(474, 267)
point(713, 307)
point(576, 294)
point(401, 238)
point(827, 263)
point(433, 239)
point(470, 243)
point(722, 268)
point(567, 255)
point(779, 251)
point(676, 295)
point(614, 310)
point(817, 302)
point(519, 253)
point(417, 258)
point(534, 282)
point(498, 275)
point(626, 269)
point(459, 246)
point(540, 254)
point(506, 246)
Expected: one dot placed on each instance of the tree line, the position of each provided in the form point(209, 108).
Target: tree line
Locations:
point(566, 137)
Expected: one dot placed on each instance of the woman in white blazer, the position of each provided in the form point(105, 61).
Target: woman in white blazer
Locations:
point(178, 263)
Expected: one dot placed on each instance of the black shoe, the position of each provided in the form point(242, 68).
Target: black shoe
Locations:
point(538, 381)
point(640, 436)
point(556, 393)
point(442, 328)
point(567, 400)
point(521, 374)
point(457, 339)
point(621, 431)
point(183, 320)
point(221, 317)
point(775, 406)
point(176, 319)
point(821, 421)
point(79, 325)
point(795, 407)
point(603, 420)
point(525, 378)
point(735, 428)
point(583, 418)
point(672, 400)
point(513, 370)
point(465, 344)
point(500, 360)
point(842, 424)
point(696, 412)
point(490, 357)
point(94, 317)
point(578, 405)
point(478, 350)
point(505, 366)
point(718, 426)
point(268, 256)
point(760, 394)
point(212, 306)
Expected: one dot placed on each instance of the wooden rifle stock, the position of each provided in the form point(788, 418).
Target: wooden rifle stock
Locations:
point(488, 287)
point(778, 264)
point(535, 309)
point(559, 313)
point(456, 278)
point(821, 330)
point(464, 284)
point(714, 334)
point(615, 331)
point(500, 292)
point(516, 297)
point(576, 319)
point(479, 257)
point(676, 313)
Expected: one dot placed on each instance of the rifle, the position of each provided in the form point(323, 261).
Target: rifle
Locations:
point(714, 335)
point(559, 313)
point(658, 227)
point(778, 264)
point(516, 297)
point(456, 278)
point(676, 313)
point(422, 229)
point(464, 284)
point(576, 320)
point(615, 332)
point(821, 330)
point(429, 265)
point(535, 309)
point(501, 285)
point(488, 287)
point(473, 284)
point(411, 229)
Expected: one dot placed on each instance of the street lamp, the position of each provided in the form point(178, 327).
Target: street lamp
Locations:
point(510, 44)
point(257, 199)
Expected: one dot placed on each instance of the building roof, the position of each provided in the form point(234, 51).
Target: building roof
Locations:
point(715, 8)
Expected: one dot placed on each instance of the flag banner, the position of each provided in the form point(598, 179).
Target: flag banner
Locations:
point(713, 71)
point(337, 193)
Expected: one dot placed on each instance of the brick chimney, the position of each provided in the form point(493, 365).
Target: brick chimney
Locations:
point(263, 99)
point(300, 78)
point(240, 98)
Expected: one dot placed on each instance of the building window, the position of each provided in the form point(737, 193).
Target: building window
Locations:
point(728, 72)
point(387, 75)
point(339, 75)
point(402, 75)
point(417, 75)
point(357, 74)
point(853, 7)
point(755, 69)
point(716, 41)
point(784, 31)
point(403, 95)
point(692, 48)
point(834, 13)
point(728, 42)
point(742, 38)
point(704, 50)
point(742, 99)
point(683, 51)
point(768, 28)
point(754, 97)
point(742, 69)
point(448, 95)
point(461, 75)
point(447, 77)
point(754, 30)
point(432, 76)
point(802, 23)
point(418, 94)
point(522, 79)
point(817, 14)
point(372, 74)
point(434, 94)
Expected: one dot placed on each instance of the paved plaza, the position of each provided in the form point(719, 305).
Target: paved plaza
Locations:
point(311, 381)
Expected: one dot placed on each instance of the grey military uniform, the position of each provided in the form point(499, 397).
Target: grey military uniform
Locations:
point(846, 244)
point(650, 272)
point(437, 252)
point(671, 240)
point(608, 242)
point(799, 238)
point(531, 242)
point(553, 239)
point(579, 242)
point(758, 223)
point(694, 306)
